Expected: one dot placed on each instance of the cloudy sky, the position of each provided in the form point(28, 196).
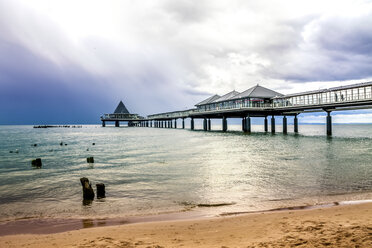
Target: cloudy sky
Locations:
point(70, 61)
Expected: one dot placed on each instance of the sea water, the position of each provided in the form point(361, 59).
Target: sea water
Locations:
point(151, 170)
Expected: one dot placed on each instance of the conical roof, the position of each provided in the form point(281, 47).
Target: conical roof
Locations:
point(259, 92)
point(121, 109)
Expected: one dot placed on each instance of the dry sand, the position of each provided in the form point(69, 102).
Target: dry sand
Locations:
point(339, 226)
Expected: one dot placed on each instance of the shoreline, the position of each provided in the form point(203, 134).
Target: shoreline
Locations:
point(337, 226)
point(58, 225)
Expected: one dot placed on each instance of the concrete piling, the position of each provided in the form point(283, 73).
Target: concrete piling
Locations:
point(248, 124)
point(265, 124)
point(329, 123)
point(224, 124)
point(284, 124)
point(272, 124)
point(295, 124)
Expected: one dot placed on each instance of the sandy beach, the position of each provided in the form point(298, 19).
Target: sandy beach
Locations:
point(338, 226)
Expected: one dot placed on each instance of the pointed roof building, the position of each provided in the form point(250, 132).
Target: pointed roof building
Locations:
point(208, 100)
point(121, 109)
point(257, 92)
point(227, 96)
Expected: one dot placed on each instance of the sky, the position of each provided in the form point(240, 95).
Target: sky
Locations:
point(71, 61)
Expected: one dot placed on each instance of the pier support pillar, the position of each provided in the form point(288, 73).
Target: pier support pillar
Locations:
point(205, 124)
point(117, 124)
point(329, 123)
point(170, 124)
point(150, 123)
point(272, 124)
point(183, 123)
point(265, 124)
point(248, 124)
point(175, 123)
point(224, 124)
point(103, 123)
point(209, 125)
point(284, 124)
point(295, 124)
point(244, 127)
point(192, 124)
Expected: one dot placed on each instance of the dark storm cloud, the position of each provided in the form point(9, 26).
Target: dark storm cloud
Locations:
point(35, 91)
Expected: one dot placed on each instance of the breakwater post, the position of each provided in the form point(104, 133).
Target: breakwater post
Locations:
point(88, 193)
point(101, 192)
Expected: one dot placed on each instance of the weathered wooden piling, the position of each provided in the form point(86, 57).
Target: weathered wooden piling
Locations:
point(88, 193)
point(36, 163)
point(90, 160)
point(101, 193)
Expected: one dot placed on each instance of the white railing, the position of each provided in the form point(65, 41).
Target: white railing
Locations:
point(342, 95)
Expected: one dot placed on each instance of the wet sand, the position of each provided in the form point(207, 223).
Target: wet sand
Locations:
point(338, 226)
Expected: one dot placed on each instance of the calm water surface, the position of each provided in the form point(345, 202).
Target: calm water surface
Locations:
point(150, 171)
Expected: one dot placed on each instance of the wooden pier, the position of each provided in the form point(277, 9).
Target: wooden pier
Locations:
point(259, 101)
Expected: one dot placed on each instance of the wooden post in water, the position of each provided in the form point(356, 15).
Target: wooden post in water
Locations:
point(205, 124)
point(175, 123)
point(183, 123)
point(209, 125)
point(192, 124)
point(117, 124)
point(103, 123)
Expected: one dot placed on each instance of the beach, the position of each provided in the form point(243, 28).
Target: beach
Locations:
point(337, 226)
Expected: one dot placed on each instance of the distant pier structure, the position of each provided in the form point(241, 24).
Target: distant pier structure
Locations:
point(121, 113)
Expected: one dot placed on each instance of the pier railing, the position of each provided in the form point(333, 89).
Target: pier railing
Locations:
point(333, 96)
point(121, 117)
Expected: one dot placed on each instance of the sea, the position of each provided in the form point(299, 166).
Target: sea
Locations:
point(152, 171)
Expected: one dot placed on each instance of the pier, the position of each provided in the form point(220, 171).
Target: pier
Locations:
point(259, 101)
